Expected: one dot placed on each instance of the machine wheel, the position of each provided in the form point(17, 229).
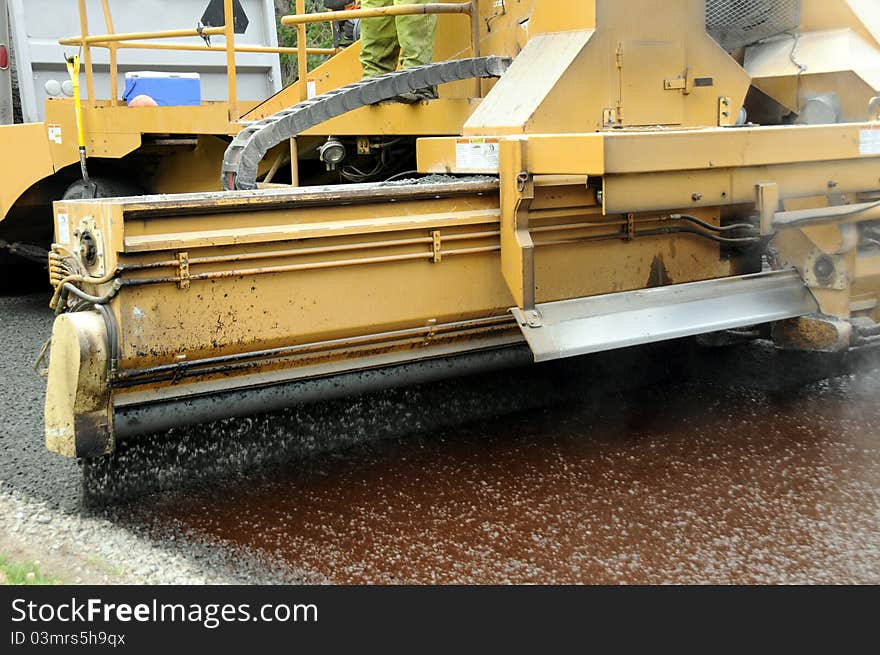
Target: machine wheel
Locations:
point(105, 187)
point(19, 275)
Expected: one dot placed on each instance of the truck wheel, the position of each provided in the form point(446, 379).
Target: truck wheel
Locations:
point(105, 187)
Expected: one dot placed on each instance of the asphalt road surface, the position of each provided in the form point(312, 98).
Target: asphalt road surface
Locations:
point(667, 464)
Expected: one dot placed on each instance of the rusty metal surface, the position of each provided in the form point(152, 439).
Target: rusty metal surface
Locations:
point(688, 484)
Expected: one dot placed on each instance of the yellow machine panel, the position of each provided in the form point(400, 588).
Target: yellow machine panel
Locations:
point(593, 176)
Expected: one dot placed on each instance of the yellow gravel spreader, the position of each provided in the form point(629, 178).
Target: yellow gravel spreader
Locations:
point(617, 177)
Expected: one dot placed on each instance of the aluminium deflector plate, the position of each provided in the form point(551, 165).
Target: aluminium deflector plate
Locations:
point(589, 325)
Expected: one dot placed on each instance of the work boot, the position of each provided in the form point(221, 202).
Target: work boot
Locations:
point(419, 95)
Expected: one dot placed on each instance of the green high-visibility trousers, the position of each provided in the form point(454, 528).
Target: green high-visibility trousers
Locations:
point(386, 41)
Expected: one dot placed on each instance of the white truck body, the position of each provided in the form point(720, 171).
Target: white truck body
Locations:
point(37, 25)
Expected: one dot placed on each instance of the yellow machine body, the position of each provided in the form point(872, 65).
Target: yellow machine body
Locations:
point(610, 199)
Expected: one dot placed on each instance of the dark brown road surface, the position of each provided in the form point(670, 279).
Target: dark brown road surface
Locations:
point(686, 484)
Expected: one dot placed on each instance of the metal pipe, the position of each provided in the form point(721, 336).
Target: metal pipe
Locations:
point(231, 74)
point(292, 268)
point(87, 53)
point(475, 43)
point(418, 333)
point(471, 9)
point(860, 212)
point(319, 250)
point(294, 163)
point(192, 47)
point(302, 60)
point(146, 418)
point(114, 60)
point(303, 18)
point(86, 40)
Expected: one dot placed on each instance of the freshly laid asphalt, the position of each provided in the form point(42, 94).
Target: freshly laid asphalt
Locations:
point(669, 463)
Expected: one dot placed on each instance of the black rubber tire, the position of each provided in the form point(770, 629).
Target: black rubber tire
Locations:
point(19, 276)
point(106, 187)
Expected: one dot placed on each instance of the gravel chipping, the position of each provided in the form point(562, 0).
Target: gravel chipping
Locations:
point(264, 531)
point(25, 324)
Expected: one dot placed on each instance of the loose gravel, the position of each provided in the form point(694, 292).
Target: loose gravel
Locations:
point(85, 550)
point(25, 324)
point(43, 517)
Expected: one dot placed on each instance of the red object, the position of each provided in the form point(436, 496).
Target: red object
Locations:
point(4, 57)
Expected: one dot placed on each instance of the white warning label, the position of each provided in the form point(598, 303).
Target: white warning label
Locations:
point(477, 155)
point(63, 230)
point(55, 134)
point(311, 88)
point(869, 142)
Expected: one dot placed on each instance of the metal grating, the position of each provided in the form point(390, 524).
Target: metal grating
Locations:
point(738, 23)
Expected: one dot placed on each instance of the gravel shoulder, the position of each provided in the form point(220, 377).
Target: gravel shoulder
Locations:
point(83, 550)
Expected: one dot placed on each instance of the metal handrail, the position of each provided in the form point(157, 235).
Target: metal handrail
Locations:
point(377, 12)
point(114, 41)
point(470, 9)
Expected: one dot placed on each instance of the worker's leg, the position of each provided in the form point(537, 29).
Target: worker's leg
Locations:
point(416, 35)
point(380, 48)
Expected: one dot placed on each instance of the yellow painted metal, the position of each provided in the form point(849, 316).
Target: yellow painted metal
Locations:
point(601, 147)
point(114, 59)
point(302, 18)
point(73, 68)
point(78, 402)
point(87, 52)
point(231, 75)
point(33, 161)
point(102, 39)
point(114, 131)
point(835, 50)
point(379, 253)
point(192, 47)
point(302, 62)
point(617, 73)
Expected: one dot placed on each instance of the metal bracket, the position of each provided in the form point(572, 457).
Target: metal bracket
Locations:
point(363, 145)
point(725, 112)
point(183, 281)
point(681, 83)
point(609, 117)
point(823, 271)
point(767, 202)
point(533, 319)
point(431, 333)
point(437, 247)
point(630, 227)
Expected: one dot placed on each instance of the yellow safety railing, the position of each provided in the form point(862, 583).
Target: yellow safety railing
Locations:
point(301, 19)
point(145, 41)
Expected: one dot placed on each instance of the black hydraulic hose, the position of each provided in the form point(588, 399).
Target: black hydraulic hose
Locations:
point(706, 235)
point(95, 300)
point(709, 226)
point(112, 334)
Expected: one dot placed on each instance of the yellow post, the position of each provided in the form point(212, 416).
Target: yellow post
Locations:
point(73, 68)
point(87, 53)
point(302, 58)
point(229, 20)
point(114, 63)
point(475, 38)
point(294, 163)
